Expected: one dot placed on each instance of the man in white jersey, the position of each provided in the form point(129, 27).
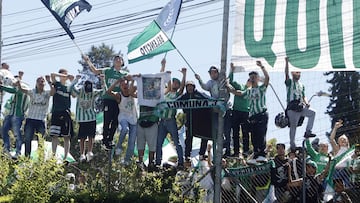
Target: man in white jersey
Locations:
point(38, 109)
point(86, 116)
point(297, 105)
point(258, 116)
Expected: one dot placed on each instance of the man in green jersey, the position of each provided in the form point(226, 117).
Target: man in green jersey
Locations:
point(111, 109)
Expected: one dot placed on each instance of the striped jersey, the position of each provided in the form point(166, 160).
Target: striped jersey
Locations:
point(39, 104)
point(294, 90)
point(111, 76)
point(85, 109)
point(257, 99)
point(127, 109)
point(20, 102)
point(169, 113)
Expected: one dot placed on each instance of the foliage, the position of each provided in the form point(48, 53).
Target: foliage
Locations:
point(36, 180)
point(100, 56)
point(345, 102)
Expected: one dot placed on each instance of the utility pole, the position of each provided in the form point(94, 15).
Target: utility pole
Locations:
point(1, 42)
point(223, 95)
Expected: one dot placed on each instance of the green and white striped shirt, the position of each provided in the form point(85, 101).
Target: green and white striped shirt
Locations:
point(295, 90)
point(169, 113)
point(20, 102)
point(257, 99)
point(85, 110)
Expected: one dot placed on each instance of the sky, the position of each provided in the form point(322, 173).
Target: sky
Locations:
point(30, 43)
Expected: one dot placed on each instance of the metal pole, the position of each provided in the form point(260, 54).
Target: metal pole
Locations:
point(1, 43)
point(222, 91)
point(304, 172)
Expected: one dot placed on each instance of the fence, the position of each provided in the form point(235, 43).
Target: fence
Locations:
point(252, 183)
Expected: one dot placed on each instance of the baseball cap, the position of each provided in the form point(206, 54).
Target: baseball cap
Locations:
point(213, 68)
point(311, 163)
point(189, 82)
point(176, 80)
point(253, 73)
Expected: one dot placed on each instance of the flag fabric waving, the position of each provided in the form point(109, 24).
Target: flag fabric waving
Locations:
point(169, 15)
point(65, 11)
point(150, 42)
point(315, 35)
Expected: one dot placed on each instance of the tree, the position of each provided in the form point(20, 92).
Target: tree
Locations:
point(345, 103)
point(100, 56)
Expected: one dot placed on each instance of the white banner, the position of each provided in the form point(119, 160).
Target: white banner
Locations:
point(315, 35)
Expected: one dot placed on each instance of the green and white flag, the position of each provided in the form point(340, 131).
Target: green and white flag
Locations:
point(150, 42)
point(315, 35)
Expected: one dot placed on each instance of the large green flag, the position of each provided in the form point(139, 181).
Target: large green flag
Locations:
point(150, 42)
point(315, 35)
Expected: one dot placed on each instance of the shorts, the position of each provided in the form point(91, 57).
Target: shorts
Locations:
point(147, 136)
point(61, 124)
point(87, 129)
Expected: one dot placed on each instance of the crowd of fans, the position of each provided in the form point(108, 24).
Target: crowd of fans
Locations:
point(247, 113)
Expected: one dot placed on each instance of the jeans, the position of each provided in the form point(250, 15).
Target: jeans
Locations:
point(240, 118)
point(15, 122)
point(126, 128)
point(111, 112)
point(5, 132)
point(32, 126)
point(294, 119)
point(168, 126)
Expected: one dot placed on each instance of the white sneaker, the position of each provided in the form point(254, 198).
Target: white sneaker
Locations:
point(261, 159)
point(251, 161)
point(89, 156)
point(82, 158)
point(117, 151)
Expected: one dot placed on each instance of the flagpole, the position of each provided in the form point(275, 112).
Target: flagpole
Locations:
point(185, 60)
point(77, 46)
point(172, 34)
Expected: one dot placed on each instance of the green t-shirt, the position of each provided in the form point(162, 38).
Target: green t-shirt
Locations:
point(320, 159)
point(111, 76)
point(240, 102)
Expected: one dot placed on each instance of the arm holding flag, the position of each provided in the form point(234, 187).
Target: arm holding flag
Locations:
point(91, 65)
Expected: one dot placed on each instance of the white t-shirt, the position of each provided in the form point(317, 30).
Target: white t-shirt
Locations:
point(39, 104)
point(127, 109)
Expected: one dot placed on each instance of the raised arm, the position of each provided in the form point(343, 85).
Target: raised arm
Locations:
point(287, 68)
point(132, 89)
point(202, 84)
point(266, 74)
point(333, 143)
point(52, 88)
point(111, 88)
point(18, 84)
point(325, 172)
point(91, 65)
point(182, 84)
point(163, 64)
